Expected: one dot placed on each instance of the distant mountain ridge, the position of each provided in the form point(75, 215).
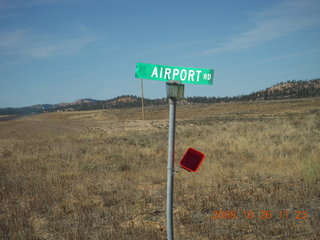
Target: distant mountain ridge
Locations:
point(80, 101)
point(50, 106)
point(284, 90)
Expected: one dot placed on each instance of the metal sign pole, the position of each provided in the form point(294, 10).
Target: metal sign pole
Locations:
point(170, 174)
point(142, 101)
point(175, 91)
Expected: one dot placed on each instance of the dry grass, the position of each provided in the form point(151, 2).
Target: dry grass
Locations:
point(102, 174)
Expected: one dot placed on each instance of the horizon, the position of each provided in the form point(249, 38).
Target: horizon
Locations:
point(161, 98)
point(55, 51)
point(137, 96)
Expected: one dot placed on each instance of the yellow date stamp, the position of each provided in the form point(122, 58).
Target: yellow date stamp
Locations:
point(263, 214)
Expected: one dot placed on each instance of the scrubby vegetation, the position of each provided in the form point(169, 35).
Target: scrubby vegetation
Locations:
point(102, 174)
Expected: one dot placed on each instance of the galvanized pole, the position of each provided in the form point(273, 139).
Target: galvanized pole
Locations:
point(170, 174)
point(142, 101)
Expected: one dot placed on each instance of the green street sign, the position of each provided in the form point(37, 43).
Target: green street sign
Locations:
point(169, 73)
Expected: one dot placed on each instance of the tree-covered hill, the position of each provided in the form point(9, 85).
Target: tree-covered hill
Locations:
point(284, 90)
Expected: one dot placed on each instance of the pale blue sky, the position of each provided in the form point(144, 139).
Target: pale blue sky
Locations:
point(55, 51)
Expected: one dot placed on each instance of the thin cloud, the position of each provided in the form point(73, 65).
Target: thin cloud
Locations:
point(276, 58)
point(23, 43)
point(14, 4)
point(273, 23)
point(61, 47)
point(12, 38)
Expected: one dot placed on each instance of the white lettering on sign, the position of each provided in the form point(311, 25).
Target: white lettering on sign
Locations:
point(167, 72)
point(198, 75)
point(175, 73)
point(155, 72)
point(191, 74)
point(185, 74)
point(207, 76)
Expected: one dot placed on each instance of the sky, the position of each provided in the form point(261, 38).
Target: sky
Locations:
point(54, 51)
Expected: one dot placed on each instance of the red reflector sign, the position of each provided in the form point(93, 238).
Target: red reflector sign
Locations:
point(192, 160)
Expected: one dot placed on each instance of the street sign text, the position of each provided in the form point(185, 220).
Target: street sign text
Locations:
point(167, 73)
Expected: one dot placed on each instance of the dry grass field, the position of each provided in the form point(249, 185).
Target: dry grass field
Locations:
point(102, 174)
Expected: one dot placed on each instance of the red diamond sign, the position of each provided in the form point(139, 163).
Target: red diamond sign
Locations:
point(192, 160)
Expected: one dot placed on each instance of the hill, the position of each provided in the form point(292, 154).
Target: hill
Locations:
point(284, 90)
point(290, 89)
